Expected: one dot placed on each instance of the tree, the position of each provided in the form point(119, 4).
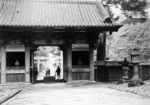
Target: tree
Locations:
point(121, 43)
point(46, 50)
point(130, 7)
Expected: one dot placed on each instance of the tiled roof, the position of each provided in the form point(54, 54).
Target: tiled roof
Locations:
point(144, 63)
point(119, 63)
point(110, 63)
point(50, 13)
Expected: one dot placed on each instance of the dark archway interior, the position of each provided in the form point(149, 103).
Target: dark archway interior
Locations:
point(80, 57)
point(12, 57)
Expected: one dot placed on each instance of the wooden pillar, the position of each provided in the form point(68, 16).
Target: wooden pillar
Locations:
point(91, 56)
point(38, 64)
point(61, 65)
point(140, 71)
point(27, 64)
point(69, 62)
point(3, 63)
point(101, 49)
point(32, 63)
point(65, 74)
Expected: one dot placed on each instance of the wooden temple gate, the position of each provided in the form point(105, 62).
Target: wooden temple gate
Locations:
point(18, 45)
point(66, 24)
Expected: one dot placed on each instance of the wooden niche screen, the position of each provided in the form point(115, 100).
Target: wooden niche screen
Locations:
point(80, 62)
point(80, 57)
point(15, 60)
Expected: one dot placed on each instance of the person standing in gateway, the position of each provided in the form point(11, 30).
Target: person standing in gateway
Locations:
point(58, 72)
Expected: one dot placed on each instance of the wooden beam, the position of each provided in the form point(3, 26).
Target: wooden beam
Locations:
point(101, 46)
point(3, 62)
point(69, 62)
point(65, 73)
point(91, 56)
point(27, 63)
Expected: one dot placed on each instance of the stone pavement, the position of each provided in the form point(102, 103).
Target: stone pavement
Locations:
point(73, 94)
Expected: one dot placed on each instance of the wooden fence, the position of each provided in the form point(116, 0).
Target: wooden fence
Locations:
point(112, 70)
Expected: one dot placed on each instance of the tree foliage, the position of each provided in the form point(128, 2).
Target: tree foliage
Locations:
point(46, 50)
point(130, 7)
point(121, 43)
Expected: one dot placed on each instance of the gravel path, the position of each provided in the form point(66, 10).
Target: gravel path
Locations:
point(143, 90)
point(76, 94)
point(5, 93)
point(10, 89)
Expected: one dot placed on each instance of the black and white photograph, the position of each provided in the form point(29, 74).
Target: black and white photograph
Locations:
point(74, 52)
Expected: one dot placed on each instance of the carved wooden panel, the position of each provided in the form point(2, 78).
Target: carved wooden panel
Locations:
point(15, 48)
point(40, 41)
point(57, 41)
point(15, 77)
point(80, 39)
point(14, 39)
point(80, 75)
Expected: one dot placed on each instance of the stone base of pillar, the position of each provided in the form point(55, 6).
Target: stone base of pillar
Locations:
point(92, 81)
point(123, 80)
point(69, 76)
point(135, 81)
point(80, 82)
point(3, 84)
point(27, 83)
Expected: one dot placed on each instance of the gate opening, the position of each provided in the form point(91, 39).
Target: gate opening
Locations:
point(48, 60)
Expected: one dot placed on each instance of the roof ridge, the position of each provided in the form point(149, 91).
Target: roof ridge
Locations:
point(47, 14)
point(103, 10)
point(59, 1)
